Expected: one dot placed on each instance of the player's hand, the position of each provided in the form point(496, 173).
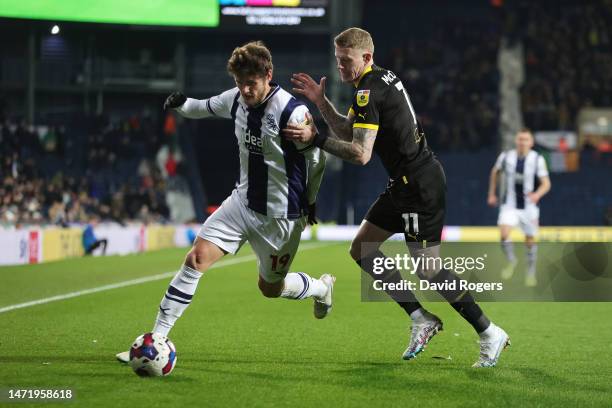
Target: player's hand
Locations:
point(533, 197)
point(492, 200)
point(302, 132)
point(175, 100)
point(305, 85)
point(312, 214)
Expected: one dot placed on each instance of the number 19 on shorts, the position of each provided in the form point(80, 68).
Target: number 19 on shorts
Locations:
point(282, 260)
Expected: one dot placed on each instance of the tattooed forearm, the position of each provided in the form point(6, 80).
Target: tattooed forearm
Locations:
point(357, 151)
point(341, 125)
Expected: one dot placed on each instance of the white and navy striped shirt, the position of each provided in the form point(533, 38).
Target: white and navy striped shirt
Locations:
point(520, 174)
point(278, 177)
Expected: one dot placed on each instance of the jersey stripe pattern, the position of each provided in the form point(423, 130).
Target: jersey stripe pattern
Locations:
point(278, 177)
point(520, 176)
point(295, 166)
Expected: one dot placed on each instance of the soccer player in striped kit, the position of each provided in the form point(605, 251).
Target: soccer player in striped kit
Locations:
point(274, 198)
point(524, 181)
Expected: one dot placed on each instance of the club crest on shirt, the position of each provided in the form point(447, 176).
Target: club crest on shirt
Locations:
point(363, 97)
point(271, 123)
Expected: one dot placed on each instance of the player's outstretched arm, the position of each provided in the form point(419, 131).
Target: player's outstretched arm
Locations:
point(175, 100)
point(340, 125)
point(200, 108)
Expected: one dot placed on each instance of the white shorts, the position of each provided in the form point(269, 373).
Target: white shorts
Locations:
point(528, 219)
point(274, 240)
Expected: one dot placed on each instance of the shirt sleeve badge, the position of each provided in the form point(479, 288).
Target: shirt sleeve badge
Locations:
point(363, 97)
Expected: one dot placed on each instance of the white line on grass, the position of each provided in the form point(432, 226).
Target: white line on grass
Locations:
point(131, 282)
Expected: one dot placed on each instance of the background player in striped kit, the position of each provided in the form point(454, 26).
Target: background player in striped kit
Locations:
point(274, 198)
point(523, 182)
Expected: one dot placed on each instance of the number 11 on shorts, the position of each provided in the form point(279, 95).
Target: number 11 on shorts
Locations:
point(412, 224)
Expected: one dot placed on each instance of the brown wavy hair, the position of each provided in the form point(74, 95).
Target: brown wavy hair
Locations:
point(253, 58)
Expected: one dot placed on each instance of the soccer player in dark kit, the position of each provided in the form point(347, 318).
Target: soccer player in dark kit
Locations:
point(382, 119)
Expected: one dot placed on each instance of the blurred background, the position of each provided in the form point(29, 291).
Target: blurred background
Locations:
point(82, 131)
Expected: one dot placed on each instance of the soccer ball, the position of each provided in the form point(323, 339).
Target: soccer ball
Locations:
point(152, 355)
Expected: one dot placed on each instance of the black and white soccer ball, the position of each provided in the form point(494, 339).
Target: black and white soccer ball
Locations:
point(152, 355)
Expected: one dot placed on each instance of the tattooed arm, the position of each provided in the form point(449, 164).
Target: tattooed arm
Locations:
point(341, 125)
point(357, 151)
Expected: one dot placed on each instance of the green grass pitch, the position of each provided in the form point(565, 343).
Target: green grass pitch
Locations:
point(237, 348)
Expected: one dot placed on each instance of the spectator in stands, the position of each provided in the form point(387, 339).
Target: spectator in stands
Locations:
point(38, 188)
point(451, 75)
point(568, 54)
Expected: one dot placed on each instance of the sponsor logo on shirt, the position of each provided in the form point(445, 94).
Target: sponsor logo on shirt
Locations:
point(253, 142)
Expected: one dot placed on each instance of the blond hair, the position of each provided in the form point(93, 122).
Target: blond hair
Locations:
point(253, 58)
point(355, 38)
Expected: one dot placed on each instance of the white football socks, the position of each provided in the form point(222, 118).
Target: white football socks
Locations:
point(532, 256)
point(508, 248)
point(299, 285)
point(183, 286)
point(176, 299)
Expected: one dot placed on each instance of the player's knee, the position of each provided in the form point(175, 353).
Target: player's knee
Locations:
point(504, 234)
point(428, 272)
point(270, 290)
point(270, 293)
point(196, 259)
point(191, 260)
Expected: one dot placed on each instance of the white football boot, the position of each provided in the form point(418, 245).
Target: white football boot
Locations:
point(491, 347)
point(123, 357)
point(323, 306)
point(421, 333)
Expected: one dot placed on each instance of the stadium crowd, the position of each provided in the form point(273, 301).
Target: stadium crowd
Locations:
point(450, 69)
point(451, 76)
point(41, 183)
point(568, 55)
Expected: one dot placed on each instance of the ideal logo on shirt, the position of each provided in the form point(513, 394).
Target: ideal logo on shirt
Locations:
point(363, 97)
point(253, 142)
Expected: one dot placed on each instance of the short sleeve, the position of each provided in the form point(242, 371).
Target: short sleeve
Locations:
point(499, 162)
point(542, 169)
point(365, 108)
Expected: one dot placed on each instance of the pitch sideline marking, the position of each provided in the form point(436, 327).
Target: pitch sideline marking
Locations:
point(138, 281)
